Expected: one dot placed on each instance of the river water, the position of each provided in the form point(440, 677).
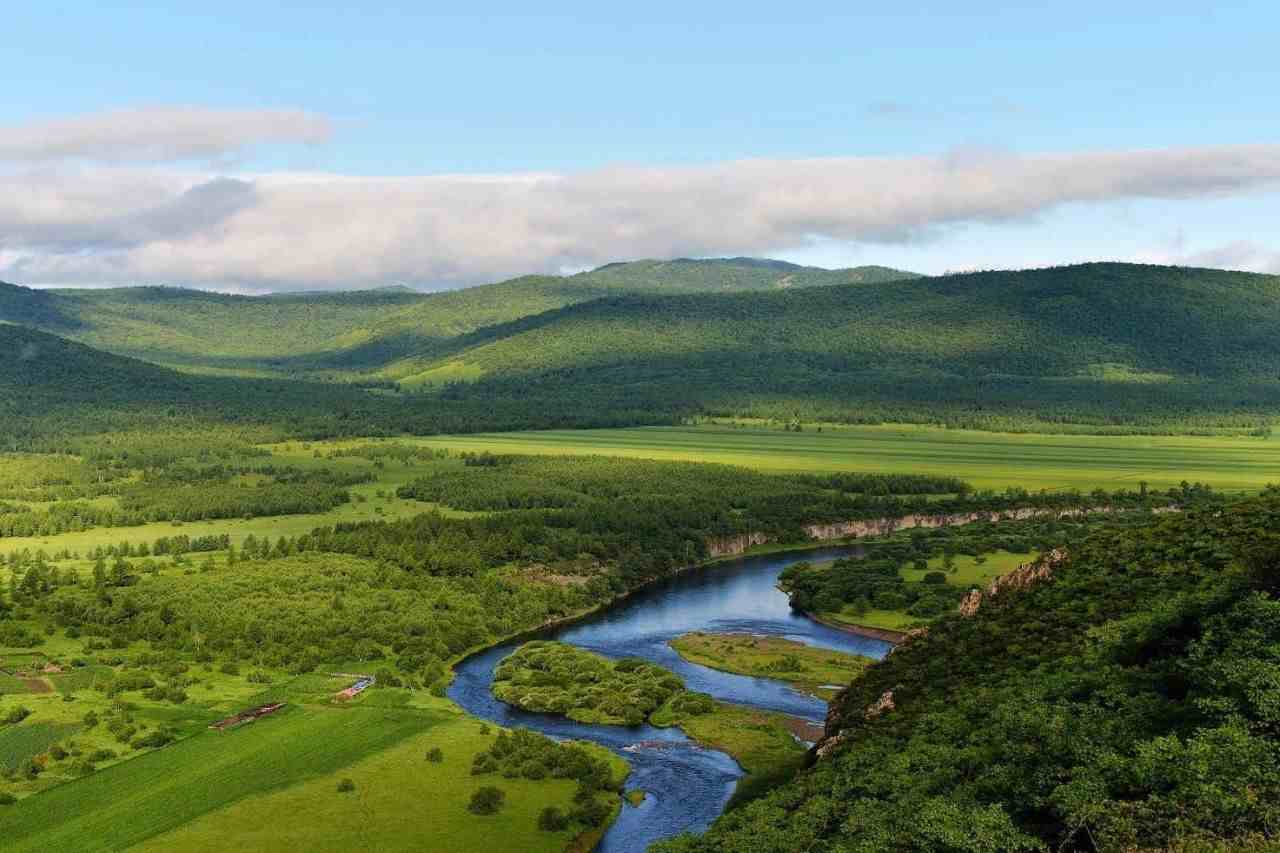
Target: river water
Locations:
point(688, 786)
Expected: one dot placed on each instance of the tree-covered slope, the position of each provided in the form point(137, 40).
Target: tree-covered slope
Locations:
point(1095, 339)
point(341, 333)
point(728, 275)
point(1127, 701)
point(1145, 321)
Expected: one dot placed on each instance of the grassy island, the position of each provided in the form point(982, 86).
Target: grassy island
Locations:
point(805, 667)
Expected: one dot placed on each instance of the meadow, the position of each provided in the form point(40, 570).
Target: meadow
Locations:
point(985, 459)
point(259, 778)
point(397, 793)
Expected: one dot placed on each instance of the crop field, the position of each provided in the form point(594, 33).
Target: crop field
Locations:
point(986, 459)
point(132, 801)
point(397, 793)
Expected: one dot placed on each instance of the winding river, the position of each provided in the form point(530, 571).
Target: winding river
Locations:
point(688, 786)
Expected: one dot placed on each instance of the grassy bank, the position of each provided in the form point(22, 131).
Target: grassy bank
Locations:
point(805, 667)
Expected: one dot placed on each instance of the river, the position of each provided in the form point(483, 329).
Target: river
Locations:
point(688, 786)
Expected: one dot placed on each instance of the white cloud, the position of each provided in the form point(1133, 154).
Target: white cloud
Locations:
point(157, 134)
point(284, 231)
point(1238, 255)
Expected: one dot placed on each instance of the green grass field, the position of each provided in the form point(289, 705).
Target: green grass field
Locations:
point(272, 784)
point(986, 459)
point(398, 794)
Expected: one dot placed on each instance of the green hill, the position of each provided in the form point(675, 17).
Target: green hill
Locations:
point(341, 334)
point(1111, 341)
point(1110, 346)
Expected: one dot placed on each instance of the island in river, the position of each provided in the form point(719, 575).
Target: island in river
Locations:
point(557, 678)
point(819, 672)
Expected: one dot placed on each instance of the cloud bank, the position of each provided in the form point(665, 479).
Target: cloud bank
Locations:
point(98, 223)
point(155, 134)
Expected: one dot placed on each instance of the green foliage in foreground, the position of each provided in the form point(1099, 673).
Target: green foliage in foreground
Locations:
point(1129, 703)
point(551, 677)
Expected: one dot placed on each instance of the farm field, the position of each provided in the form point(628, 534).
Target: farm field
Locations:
point(397, 793)
point(261, 777)
point(986, 459)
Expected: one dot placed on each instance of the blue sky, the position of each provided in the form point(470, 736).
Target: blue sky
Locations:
point(573, 88)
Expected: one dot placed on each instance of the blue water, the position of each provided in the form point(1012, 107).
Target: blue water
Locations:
point(688, 786)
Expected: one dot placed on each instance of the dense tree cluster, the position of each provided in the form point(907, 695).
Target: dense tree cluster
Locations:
point(190, 494)
point(558, 678)
point(526, 754)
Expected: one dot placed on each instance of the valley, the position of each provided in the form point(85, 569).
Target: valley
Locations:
point(210, 504)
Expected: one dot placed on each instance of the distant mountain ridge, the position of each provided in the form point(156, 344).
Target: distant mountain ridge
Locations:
point(1121, 346)
point(331, 333)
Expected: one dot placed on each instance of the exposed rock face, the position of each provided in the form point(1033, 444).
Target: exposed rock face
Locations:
point(831, 742)
point(885, 526)
point(881, 706)
point(970, 603)
point(728, 546)
point(1024, 577)
point(829, 745)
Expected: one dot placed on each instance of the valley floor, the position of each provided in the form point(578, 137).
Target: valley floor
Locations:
point(985, 459)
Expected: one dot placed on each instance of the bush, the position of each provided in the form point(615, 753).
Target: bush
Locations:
point(7, 799)
point(435, 755)
point(345, 786)
point(487, 800)
point(935, 578)
point(553, 820)
point(17, 715)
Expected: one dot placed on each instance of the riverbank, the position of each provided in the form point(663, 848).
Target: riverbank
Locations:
point(867, 631)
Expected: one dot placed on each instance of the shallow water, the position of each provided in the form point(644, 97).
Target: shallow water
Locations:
point(688, 786)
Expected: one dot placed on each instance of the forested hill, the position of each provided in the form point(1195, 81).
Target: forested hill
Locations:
point(338, 334)
point(1127, 321)
point(685, 275)
point(1064, 342)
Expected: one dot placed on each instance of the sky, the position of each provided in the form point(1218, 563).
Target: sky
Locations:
point(283, 146)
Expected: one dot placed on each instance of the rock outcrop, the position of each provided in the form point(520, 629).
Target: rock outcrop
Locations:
point(1024, 577)
point(729, 546)
point(881, 706)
